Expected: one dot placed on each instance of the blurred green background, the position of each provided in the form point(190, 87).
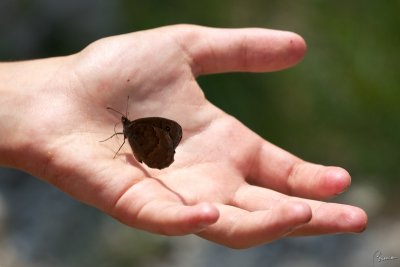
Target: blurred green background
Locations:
point(339, 106)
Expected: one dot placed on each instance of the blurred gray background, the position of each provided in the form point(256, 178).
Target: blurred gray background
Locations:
point(338, 107)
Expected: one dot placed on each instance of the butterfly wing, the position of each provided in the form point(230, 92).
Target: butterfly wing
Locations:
point(151, 141)
point(173, 128)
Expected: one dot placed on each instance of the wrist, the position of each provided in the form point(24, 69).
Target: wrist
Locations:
point(22, 88)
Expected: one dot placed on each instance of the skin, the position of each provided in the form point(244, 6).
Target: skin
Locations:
point(227, 184)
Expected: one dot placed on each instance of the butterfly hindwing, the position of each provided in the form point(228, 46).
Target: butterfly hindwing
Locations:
point(153, 140)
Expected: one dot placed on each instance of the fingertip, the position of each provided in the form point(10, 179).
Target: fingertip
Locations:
point(277, 50)
point(355, 219)
point(200, 216)
point(299, 212)
point(337, 180)
point(296, 48)
point(208, 213)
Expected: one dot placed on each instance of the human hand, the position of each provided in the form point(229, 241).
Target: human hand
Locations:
point(227, 184)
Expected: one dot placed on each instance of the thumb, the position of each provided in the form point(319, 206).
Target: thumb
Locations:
point(213, 50)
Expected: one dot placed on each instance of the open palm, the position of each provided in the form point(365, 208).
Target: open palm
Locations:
point(227, 184)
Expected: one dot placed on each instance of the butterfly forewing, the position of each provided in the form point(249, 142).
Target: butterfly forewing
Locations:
point(173, 129)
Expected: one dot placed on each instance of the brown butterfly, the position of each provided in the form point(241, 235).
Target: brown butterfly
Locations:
point(153, 140)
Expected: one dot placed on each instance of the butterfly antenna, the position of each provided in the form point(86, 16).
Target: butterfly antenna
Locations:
point(127, 104)
point(115, 111)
